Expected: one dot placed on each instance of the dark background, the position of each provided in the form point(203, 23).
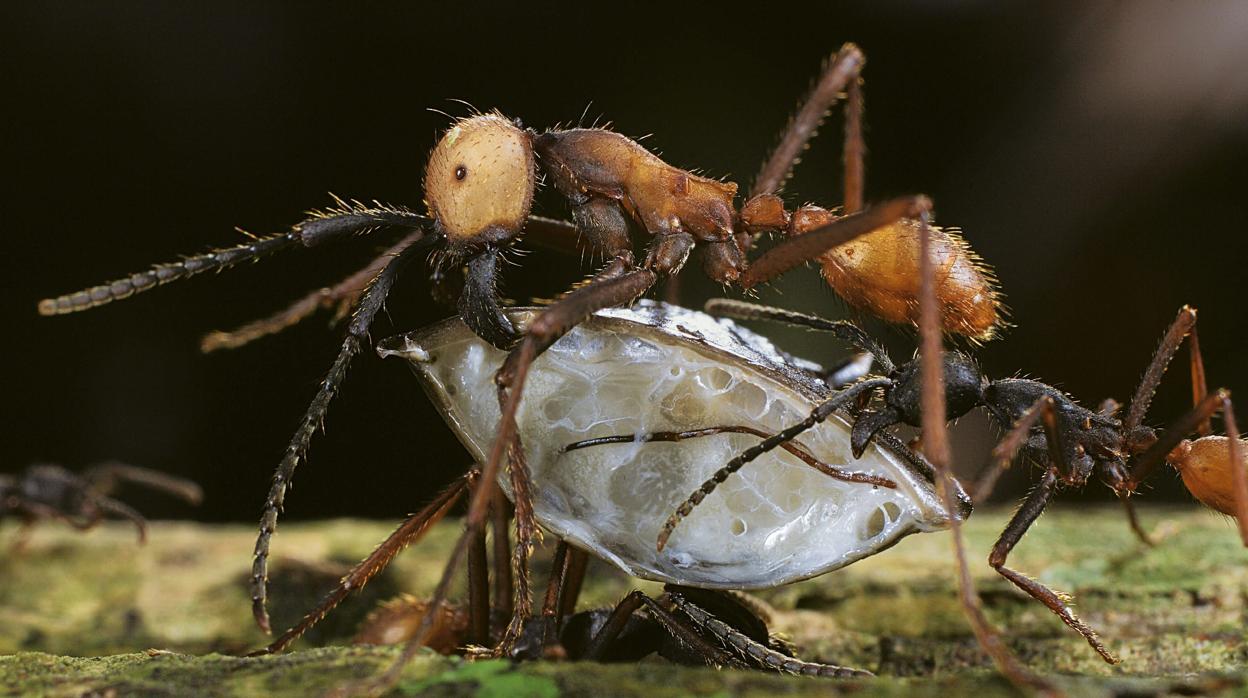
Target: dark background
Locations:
point(1094, 153)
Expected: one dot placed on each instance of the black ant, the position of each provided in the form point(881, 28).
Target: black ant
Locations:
point(1069, 442)
point(50, 492)
point(479, 185)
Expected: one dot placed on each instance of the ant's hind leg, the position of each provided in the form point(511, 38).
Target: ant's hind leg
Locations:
point(1184, 325)
point(841, 73)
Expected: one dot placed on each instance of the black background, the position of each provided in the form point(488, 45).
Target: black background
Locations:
point(1094, 153)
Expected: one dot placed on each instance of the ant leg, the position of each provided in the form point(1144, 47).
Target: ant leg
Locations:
point(357, 332)
point(574, 578)
point(1156, 454)
point(689, 637)
point(105, 477)
point(819, 414)
point(552, 618)
point(1133, 519)
point(1042, 410)
point(1238, 477)
point(1183, 324)
point(342, 295)
point(843, 330)
point(841, 71)
point(410, 531)
point(1026, 515)
point(936, 448)
point(753, 651)
point(108, 505)
point(799, 249)
point(478, 587)
point(500, 513)
point(793, 448)
point(344, 220)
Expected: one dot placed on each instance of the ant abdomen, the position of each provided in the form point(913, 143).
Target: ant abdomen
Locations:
point(879, 273)
point(1207, 471)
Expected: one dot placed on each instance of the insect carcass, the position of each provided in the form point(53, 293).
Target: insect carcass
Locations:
point(659, 367)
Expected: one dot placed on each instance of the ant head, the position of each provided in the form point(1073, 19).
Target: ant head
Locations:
point(964, 388)
point(479, 182)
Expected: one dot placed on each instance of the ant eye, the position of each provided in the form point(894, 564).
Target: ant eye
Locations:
point(461, 172)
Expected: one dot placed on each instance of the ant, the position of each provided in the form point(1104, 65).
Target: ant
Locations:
point(1069, 442)
point(50, 492)
point(478, 186)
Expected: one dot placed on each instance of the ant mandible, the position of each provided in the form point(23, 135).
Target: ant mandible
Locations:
point(478, 187)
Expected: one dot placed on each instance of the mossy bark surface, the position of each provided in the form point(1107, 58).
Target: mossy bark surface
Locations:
point(83, 614)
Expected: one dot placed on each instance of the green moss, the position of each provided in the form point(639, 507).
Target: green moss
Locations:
point(76, 608)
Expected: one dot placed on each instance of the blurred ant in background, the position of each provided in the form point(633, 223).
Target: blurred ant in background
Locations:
point(50, 492)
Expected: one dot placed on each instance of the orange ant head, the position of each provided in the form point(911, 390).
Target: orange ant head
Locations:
point(1206, 468)
point(479, 182)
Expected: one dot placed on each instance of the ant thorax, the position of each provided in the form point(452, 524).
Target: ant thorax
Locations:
point(657, 367)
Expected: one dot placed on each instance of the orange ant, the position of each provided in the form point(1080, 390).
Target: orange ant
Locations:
point(478, 187)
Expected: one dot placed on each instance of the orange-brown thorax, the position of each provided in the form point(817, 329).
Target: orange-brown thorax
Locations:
point(479, 180)
point(663, 198)
point(1205, 465)
point(879, 272)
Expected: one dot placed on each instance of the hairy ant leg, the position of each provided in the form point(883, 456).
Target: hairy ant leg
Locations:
point(1026, 515)
point(793, 448)
point(342, 297)
point(357, 332)
point(549, 233)
point(1042, 411)
point(682, 632)
point(410, 531)
point(754, 651)
point(841, 73)
point(1183, 326)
